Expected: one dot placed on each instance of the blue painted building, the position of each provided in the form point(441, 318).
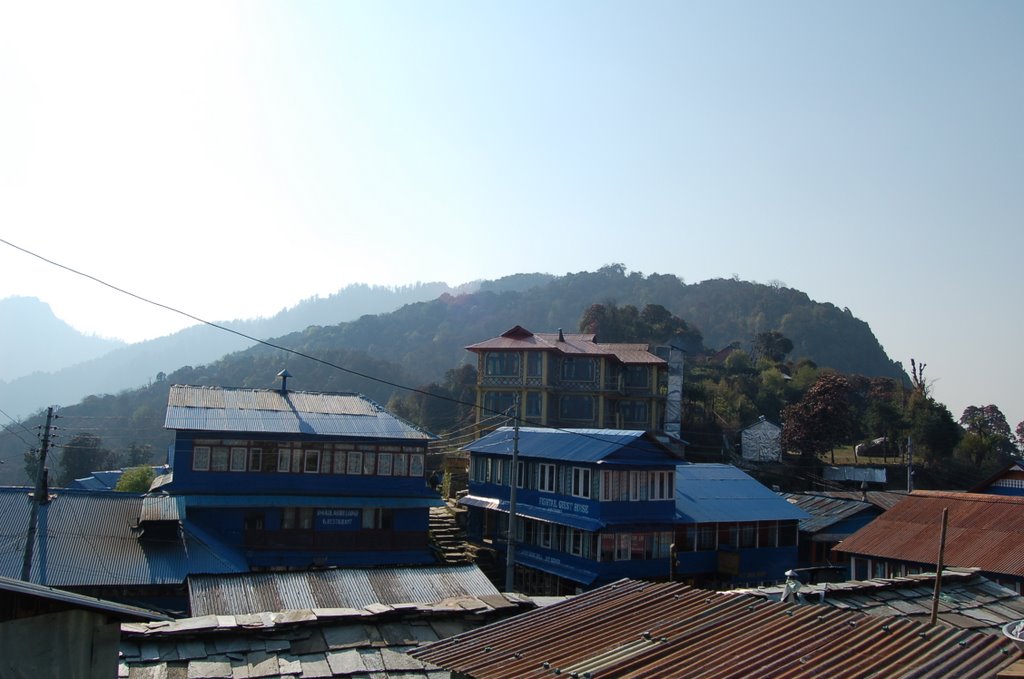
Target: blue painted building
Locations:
point(596, 505)
point(732, 530)
point(1007, 481)
point(294, 479)
point(832, 519)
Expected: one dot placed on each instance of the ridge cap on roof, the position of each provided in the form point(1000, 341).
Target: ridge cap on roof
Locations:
point(271, 390)
point(968, 497)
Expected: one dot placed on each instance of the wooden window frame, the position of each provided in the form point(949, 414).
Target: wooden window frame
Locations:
point(207, 454)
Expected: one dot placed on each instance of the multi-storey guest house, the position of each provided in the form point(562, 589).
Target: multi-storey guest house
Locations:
point(569, 380)
point(296, 479)
point(596, 505)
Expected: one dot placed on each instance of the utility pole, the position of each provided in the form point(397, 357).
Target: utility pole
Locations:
point(910, 465)
point(513, 478)
point(40, 497)
point(938, 566)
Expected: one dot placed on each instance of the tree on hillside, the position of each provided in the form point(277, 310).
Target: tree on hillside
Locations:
point(80, 457)
point(821, 420)
point(917, 378)
point(772, 345)
point(934, 432)
point(988, 421)
point(440, 407)
point(988, 439)
point(654, 324)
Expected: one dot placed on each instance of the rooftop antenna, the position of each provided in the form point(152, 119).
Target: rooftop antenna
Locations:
point(283, 376)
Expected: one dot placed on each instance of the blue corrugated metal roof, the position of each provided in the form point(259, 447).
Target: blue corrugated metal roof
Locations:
point(576, 445)
point(826, 511)
point(104, 480)
point(709, 493)
point(87, 538)
point(264, 411)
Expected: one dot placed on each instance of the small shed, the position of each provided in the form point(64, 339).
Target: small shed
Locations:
point(761, 442)
point(47, 632)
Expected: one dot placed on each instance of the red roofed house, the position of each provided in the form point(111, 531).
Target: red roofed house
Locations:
point(983, 531)
point(569, 380)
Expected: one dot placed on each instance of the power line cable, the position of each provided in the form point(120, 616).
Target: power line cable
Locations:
point(8, 430)
point(286, 349)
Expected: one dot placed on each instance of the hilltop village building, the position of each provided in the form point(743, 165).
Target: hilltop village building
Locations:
point(259, 480)
point(984, 531)
point(569, 380)
point(1007, 481)
point(596, 505)
point(293, 479)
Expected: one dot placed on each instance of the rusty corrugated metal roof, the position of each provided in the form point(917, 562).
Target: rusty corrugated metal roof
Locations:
point(983, 531)
point(162, 508)
point(634, 353)
point(355, 643)
point(967, 600)
point(883, 499)
point(268, 411)
point(571, 344)
point(334, 588)
point(638, 629)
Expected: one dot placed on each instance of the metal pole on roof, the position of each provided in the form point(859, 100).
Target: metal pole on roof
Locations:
point(910, 465)
point(510, 549)
point(938, 566)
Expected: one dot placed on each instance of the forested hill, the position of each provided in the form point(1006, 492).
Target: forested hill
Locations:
point(115, 367)
point(418, 343)
point(428, 338)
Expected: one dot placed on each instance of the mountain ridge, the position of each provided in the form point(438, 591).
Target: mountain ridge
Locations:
point(382, 354)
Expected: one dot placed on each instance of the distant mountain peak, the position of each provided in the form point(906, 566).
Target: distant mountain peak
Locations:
point(35, 340)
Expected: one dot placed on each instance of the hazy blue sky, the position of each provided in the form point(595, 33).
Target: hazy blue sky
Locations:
point(231, 159)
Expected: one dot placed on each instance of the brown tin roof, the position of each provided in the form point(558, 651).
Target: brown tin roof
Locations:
point(570, 344)
point(983, 531)
point(640, 629)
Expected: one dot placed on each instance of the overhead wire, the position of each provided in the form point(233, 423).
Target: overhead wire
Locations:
point(8, 430)
point(279, 347)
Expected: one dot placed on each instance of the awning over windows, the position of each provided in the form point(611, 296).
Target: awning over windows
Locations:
point(529, 511)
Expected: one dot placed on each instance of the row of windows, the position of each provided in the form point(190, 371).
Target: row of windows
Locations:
point(306, 461)
point(599, 547)
point(504, 402)
point(622, 486)
point(571, 368)
point(745, 535)
point(547, 477)
point(507, 364)
point(569, 407)
point(654, 545)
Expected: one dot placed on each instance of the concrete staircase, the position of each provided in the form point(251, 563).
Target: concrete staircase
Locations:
point(447, 538)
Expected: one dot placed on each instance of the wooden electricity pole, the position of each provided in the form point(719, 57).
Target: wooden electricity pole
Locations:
point(510, 545)
point(938, 566)
point(40, 497)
